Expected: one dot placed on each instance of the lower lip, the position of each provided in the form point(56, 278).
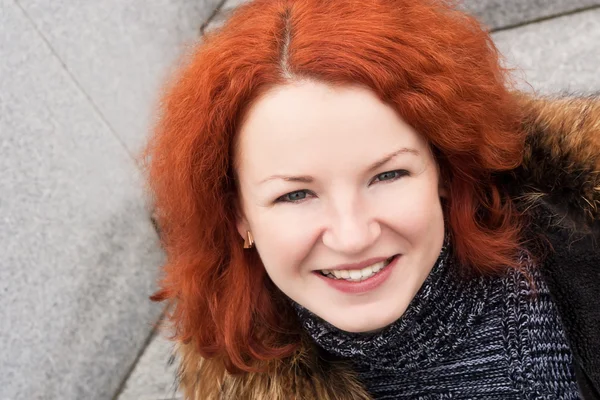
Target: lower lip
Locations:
point(367, 285)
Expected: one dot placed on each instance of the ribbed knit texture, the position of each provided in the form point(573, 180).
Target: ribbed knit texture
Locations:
point(486, 337)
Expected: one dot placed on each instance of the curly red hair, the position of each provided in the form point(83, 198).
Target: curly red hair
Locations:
point(436, 66)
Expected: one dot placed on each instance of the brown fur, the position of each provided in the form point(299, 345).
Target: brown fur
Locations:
point(303, 376)
point(566, 126)
point(561, 171)
point(561, 167)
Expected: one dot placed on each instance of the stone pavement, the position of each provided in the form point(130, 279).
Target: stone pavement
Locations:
point(78, 254)
point(554, 47)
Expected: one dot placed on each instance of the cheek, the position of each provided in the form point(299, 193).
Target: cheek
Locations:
point(414, 209)
point(285, 236)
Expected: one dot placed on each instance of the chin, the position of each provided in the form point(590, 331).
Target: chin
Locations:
point(365, 322)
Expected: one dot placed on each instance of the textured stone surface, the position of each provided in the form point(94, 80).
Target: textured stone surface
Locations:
point(119, 51)
point(223, 13)
point(496, 14)
point(78, 254)
point(557, 55)
point(155, 374)
point(503, 13)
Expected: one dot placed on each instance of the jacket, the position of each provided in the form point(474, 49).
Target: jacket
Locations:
point(558, 188)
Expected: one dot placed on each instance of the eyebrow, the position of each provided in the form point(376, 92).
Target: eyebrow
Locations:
point(289, 178)
point(386, 159)
point(374, 166)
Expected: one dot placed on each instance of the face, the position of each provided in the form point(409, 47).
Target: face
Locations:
point(342, 199)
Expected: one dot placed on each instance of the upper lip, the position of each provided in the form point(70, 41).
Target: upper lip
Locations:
point(358, 265)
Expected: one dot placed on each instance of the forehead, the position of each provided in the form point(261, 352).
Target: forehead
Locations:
point(311, 122)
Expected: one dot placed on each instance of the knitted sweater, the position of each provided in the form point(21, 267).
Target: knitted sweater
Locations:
point(486, 337)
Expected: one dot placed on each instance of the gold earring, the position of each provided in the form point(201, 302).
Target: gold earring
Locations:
point(249, 241)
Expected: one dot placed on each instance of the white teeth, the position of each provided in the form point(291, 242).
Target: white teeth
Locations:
point(356, 275)
point(367, 272)
point(377, 267)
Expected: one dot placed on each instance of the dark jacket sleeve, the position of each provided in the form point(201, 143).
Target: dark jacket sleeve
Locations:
point(572, 270)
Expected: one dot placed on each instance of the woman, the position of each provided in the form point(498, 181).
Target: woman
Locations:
point(354, 205)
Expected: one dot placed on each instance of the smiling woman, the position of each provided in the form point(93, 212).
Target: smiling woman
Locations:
point(354, 205)
point(369, 192)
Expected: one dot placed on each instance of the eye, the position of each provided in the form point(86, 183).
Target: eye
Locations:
point(293, 197)
point(390, 175)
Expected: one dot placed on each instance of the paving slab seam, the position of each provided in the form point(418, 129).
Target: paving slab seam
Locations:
point(153, 333)
point(546, 18)
point(77, 84)
point(212, 16)
point(93, 104)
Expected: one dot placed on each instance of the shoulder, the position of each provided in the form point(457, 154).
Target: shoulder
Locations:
point(558, 188)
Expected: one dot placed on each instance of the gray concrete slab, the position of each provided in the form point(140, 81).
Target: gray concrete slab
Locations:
point(155, 374)
point(120, 51)
point(223, 13)
point(557, 55)
point(495, 14)
point(78, 254)
point(498, 14)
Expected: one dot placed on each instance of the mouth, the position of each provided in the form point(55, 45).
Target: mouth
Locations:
point(358, 275)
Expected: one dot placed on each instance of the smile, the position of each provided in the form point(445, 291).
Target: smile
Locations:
point(357, 275)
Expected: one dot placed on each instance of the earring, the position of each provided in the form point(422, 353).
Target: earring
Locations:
point(249, 241)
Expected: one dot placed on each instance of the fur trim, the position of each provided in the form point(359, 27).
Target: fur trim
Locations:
point(303, 376)
point(561, 166)
point(560, 173)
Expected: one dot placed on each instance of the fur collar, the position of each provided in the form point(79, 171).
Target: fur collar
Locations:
point(561, 167)
point(304, 376)
point(560, 174)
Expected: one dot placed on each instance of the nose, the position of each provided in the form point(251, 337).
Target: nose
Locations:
point(352, 228)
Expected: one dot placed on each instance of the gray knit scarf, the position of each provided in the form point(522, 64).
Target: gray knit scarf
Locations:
point(462, 338)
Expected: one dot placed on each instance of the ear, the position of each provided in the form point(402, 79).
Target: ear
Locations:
point(443, 192)
point(242, 224)
point(242, 228)
point(442, 183)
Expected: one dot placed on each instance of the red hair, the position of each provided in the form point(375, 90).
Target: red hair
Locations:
point(436, 66)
